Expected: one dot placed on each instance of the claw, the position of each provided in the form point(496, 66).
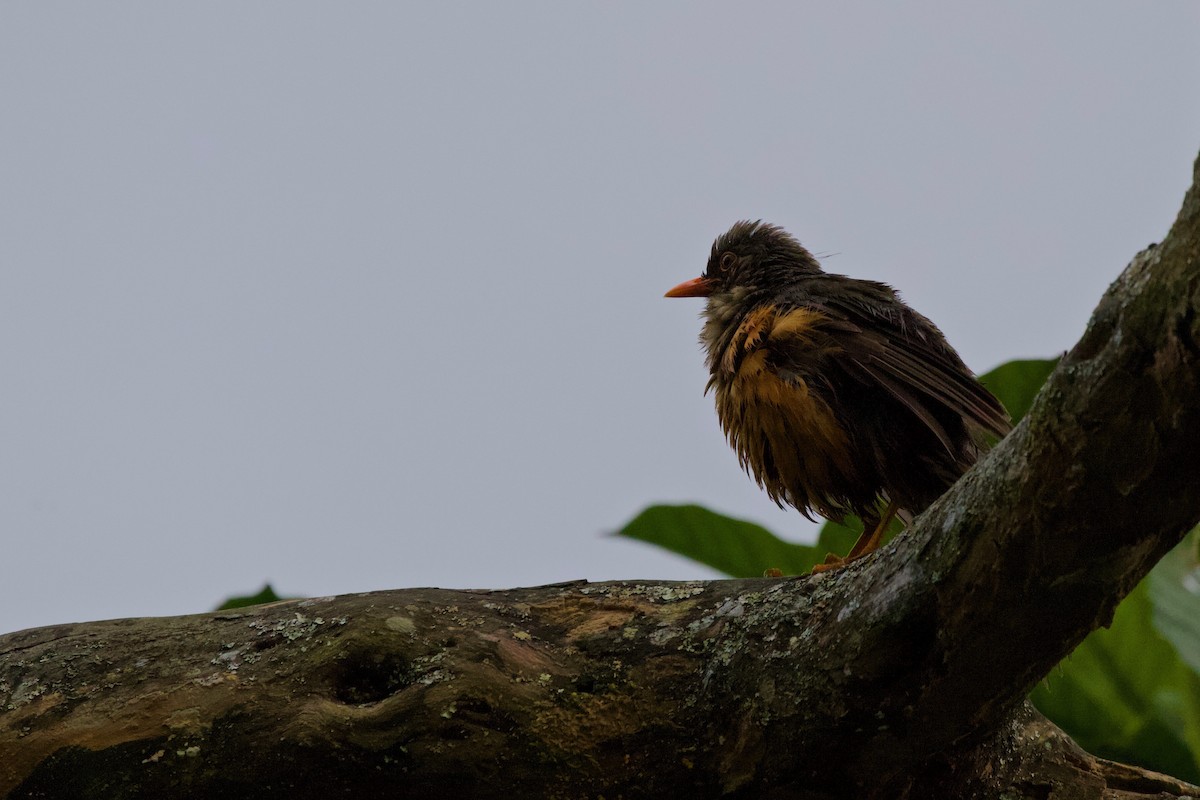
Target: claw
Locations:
point(832, 561)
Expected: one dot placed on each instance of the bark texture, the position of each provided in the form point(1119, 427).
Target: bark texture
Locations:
point(903, 675)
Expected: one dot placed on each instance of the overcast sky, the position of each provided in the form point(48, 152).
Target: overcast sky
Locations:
point(353, 296)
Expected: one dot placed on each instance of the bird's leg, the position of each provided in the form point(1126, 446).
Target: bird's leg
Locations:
point(868, 542)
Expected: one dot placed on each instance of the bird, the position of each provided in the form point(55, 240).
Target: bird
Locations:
point(837, 397)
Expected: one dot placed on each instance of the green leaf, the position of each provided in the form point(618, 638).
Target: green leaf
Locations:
point(1175, 594)
point(1016, 383)
point(265, 595)
point(736, 547)
point(1175, 597)
point(1124, 694)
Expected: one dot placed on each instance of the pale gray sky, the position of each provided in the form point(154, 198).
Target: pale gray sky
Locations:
point(362, 296)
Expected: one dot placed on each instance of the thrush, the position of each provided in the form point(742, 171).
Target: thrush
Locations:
point(837, 397)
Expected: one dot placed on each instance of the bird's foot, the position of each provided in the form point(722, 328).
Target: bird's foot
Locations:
point(832, 561)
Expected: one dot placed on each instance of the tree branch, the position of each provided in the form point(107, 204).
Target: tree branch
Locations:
point(901, 675)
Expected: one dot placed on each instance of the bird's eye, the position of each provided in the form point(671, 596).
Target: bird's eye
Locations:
point(727, 261)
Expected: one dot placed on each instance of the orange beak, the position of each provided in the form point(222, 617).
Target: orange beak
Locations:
point(696, 287)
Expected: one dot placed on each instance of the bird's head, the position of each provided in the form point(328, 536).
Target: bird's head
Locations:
point(750, 256)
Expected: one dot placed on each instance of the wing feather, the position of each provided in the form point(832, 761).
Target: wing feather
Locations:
point(872, 334)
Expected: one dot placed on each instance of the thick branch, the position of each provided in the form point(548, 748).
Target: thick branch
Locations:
point(903, 674)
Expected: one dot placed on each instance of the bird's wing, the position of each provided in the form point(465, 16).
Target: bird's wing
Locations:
point(873, 335)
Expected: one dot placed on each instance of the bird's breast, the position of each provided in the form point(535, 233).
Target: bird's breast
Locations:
point(785, 434)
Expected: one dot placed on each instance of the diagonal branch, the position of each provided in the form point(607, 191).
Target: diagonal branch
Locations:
point(1034, 549)
point(901, 675)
